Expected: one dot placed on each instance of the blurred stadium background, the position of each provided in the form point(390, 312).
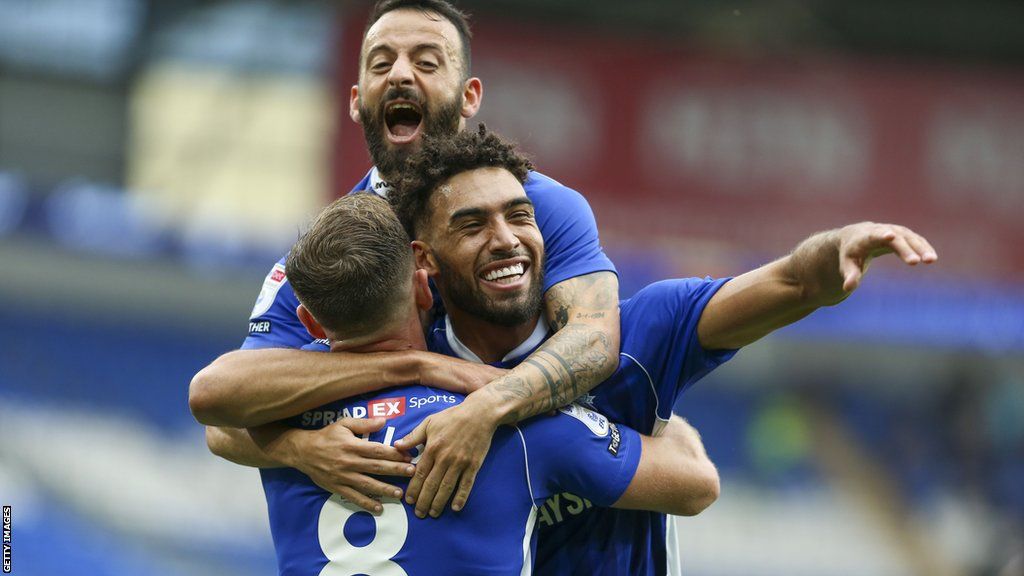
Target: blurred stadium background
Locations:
point(157, 156)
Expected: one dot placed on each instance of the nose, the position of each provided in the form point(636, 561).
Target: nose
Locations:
point(503, 237)
point(401, 73)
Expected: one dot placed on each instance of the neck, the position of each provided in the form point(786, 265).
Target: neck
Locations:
point(490, 342)
point(407, 336)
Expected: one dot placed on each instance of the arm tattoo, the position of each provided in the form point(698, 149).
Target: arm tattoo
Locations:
point(576, 358)
point(550, 381)
point(512, 388)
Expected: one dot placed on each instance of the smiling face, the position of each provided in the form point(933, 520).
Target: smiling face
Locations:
point(481, 244)
point(412, 83)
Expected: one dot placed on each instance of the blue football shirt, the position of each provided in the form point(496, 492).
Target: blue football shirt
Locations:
point(565, 220)
point(317, 533)
point(660, 357)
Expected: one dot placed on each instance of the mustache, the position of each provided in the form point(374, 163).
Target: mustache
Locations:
point(402, 93)
point(499, 256)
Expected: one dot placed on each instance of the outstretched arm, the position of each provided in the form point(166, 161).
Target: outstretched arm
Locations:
point(582, 353)
point(822, 271)
point(247, 388)
point(675, 475)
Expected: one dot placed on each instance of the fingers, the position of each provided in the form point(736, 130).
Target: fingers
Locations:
point(429, 489)
point(377, 451)
point(868, 240)
point(373, 487)
point(877, 239)
point(413, 439)
point(361, 490)
point(383, 468)
point(902, 249)
point(444, 491)
point(423, 468)
point(354, 496)
point(465, 487)
point(921, 246)
point(361, 426)
point(852, 272)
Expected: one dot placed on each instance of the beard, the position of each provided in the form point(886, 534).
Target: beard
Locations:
point(441, 119)
point(507, 312)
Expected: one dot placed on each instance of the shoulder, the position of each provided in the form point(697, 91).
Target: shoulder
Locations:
point(274, 289)
point(670, 294)
point(545, 187)
point(557, 204)
point(663, 308)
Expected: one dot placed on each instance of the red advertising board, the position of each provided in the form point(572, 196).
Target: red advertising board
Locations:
point(677, 147)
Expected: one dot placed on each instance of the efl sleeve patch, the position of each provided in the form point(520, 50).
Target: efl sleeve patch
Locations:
point(271, 285)
point(597, 423)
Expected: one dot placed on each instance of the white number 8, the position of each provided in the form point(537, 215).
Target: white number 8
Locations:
point(374, 559)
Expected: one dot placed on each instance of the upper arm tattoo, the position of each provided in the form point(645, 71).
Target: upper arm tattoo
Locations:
point(583, 298)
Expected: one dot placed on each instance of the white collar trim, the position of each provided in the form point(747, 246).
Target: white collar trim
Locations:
point(377, 184)
point(462, 351)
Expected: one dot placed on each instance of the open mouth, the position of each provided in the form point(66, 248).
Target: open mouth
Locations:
point(403, 120)
point(505, 274)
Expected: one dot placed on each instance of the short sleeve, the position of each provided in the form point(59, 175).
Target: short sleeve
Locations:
point(659, 332)
point(569, 229)
point(273, 322)
point(580, 451)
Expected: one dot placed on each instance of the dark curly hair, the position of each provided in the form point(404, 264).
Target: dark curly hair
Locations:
point(442, 157)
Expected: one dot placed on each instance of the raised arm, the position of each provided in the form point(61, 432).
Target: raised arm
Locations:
point(246, 388)
point(822, 271)
point(581, 354)
point(675, 475)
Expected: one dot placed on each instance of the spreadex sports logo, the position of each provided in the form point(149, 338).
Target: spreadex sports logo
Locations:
point(386, 407)
point(381, 408)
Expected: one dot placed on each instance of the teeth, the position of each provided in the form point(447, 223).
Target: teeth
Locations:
point(403, 107)
point(514, 270)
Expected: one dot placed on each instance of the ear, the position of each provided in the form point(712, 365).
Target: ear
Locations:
point(472, 94)
point(421, 285)
point(424, 257)
point(312, 326)
point(353, 105)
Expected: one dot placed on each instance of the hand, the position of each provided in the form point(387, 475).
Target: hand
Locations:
point(457, 441)
point(859, 243)
point(459, 376)
point(339, 461)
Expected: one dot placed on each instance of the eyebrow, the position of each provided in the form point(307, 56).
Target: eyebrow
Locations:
point(418, 48)
point(468, 212)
